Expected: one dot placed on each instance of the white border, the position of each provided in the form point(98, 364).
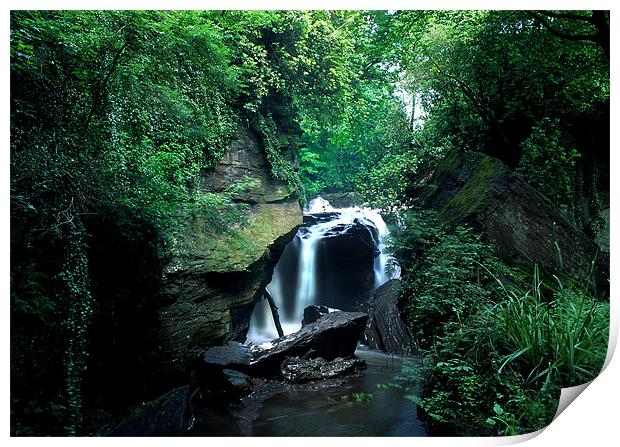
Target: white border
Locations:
point(590, 420)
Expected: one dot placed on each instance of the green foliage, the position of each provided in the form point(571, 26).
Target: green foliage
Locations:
point(115, 113)
point(280, 167)
point(495, 352)
point(353, 398)
point(384, 185)
point(448, 282)
point(76, 297)
point(562, 341)
point(549, 164)
point(455, 394)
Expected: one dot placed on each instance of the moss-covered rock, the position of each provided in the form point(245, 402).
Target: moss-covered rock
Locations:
point(213, 276)
point(522, 224)
point(164, 416)
point(203, 249)
point(474, 196)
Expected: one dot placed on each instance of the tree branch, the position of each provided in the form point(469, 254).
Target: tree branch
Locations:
point(568, 16)
point(102, 85)
point(575, 37)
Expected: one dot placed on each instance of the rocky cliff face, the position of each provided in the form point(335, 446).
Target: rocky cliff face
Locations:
point(213, 278)
point(522, 224)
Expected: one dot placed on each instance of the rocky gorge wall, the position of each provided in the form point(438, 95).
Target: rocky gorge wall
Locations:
point(211, 278)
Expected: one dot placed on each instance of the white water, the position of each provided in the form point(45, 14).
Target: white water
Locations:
point(262, 328)
point(307, 278)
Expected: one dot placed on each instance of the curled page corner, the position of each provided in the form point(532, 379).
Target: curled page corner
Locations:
point(568, 395)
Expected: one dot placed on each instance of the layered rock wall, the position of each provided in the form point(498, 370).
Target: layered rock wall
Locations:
point(212, 278)
point(521, 223)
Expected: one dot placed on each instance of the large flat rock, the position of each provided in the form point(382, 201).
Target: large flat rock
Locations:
point(333, 335)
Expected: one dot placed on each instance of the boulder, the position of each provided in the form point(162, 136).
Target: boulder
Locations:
point(313, 313)
point(521, 223)
point(386, 330)
point(230, 355)
point(297, 370)
point(221, 373)
point(345, 259)
point(168, 415)
point(333, 335)
point(239, 381)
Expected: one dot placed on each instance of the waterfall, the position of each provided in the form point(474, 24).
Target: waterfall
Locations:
point(294, 282)
point(307, 274)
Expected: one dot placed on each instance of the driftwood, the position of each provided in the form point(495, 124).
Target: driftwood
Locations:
point(274, 312)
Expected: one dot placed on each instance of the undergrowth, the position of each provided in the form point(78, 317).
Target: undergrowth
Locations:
point(496, 343)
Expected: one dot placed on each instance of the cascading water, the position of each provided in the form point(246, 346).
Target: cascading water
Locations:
point(307, 272)
point(299, 280)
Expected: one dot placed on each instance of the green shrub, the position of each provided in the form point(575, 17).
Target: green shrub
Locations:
point(495, 353)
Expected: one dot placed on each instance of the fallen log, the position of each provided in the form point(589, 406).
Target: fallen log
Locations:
point(274, 312)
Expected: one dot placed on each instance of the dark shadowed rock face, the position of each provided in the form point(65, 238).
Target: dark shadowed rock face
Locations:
point(522, 224)
point(345, 265)
point(386, 330)
point(313, 313)
point(165, 416)
point(296, 370)
point(333, 335)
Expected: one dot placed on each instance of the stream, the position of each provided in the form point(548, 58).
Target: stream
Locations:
point(336, 260)
point(321, 411)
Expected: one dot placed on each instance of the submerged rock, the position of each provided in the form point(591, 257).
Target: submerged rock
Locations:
point(333, 335)
point(297, 370)
point(238, 379)
point(313, 313)
point(386, 330)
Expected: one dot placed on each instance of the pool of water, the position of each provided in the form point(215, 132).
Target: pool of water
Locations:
point(321, 411)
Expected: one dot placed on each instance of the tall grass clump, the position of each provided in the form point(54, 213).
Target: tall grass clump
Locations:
point(562, 339)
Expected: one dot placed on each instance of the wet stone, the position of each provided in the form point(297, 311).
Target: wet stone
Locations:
point(297, 370)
